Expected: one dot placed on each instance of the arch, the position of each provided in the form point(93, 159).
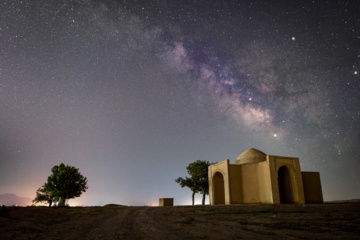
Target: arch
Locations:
point(219, 188)
point(287, 189)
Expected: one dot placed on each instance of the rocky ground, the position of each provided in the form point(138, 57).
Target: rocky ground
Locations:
point(321, 221)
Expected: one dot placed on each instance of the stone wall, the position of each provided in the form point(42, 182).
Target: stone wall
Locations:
point(166, 202)
point(312, 187)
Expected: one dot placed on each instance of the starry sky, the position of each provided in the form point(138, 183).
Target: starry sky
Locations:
point(131, 92)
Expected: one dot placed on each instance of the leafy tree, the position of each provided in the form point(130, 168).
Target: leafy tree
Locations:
point(42, 195)
point(65, 182)
point(190, 183)
point(199, 179)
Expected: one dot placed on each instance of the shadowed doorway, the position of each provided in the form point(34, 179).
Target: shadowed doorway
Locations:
point(285, 181)
point(219, 190)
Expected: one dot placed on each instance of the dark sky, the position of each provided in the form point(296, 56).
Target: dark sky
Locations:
point(131, 92)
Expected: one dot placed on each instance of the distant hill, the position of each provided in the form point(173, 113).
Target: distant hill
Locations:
point(9, 199)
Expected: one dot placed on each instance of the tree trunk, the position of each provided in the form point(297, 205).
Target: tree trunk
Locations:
point(203, 199)
point(62, 202)
point(193, 198)
point(50, 202)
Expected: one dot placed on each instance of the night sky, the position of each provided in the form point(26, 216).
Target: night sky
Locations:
point(131, 92)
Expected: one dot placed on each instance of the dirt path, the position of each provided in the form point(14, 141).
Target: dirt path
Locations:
point(324, 221)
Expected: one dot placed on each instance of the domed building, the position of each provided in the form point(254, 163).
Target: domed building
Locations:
point(256, 177)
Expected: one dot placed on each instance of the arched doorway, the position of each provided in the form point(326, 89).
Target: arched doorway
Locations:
point(219, 189)
point(286, 185)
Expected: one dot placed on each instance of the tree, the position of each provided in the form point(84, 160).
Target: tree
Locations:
point(65, 182)
point(190, 183)
point(199, 179)
point(42, 195)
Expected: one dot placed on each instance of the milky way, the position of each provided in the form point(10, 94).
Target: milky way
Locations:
point(130, 92)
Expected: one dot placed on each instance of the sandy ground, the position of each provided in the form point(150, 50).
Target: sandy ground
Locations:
point(321, 221)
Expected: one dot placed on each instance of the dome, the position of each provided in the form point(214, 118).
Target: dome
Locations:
point(251, 155)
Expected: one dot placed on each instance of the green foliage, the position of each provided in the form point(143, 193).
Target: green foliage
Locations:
point(65, 182)
point(188, 182)
point(198, 171)
point(199, 180)
point(44, 195)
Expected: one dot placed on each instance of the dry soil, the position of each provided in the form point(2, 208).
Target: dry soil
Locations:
point(256, 221)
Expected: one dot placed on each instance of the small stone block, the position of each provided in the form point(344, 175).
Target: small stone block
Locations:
point(166, 202)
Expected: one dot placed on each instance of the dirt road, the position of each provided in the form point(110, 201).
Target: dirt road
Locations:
point(324, 221)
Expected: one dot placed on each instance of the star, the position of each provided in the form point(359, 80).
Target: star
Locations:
point(293, 38)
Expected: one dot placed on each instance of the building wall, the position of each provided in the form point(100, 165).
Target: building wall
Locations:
point(259, 182)
point(236, 184)
point(223, 168)
point(250, 183)
point(312, 187)
point(265, 191)
point(166, 202)
point(256, 183)
point(273, 179)
point(293, 166)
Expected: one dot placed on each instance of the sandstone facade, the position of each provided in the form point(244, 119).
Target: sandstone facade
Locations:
point(259, 178)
